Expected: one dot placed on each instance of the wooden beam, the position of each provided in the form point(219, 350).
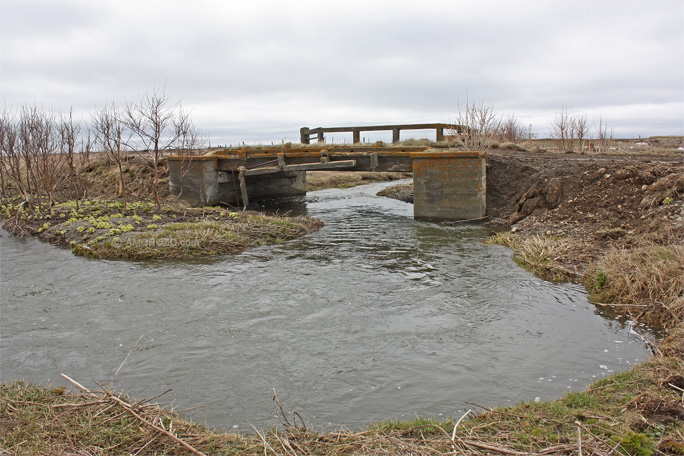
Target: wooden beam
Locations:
point(301, 167)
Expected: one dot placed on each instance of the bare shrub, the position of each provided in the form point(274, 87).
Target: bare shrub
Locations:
point(571, 130)
point(11, 162)
point(46, 146)
point(476, 125)
point(43, 154)
point(75, 157)
point(40, 156)
point(159, 126)
point(561, 128)
point(34, 155)
point(112, 137)
point(190, 144)
point(511, 130)
point(579, 130)
point(3, 173)
point(603, 135)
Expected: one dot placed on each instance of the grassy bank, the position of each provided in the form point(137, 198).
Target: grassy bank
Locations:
point(638, 412)
point(103, 229)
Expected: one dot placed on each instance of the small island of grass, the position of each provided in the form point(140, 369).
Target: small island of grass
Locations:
point(102, 229)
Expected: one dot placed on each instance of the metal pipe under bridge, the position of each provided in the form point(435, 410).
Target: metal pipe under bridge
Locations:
point(448, 184)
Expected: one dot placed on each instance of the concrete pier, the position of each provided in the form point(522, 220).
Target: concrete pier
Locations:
point(200, 182)
point(449, 185)
point(195, 179)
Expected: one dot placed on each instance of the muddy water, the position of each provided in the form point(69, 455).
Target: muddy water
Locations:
point(374, 316)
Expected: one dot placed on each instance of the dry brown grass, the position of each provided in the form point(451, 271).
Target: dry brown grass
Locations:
point(551, 258)
point(649, 278)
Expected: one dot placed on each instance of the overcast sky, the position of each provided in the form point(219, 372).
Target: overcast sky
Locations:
point(258, 70)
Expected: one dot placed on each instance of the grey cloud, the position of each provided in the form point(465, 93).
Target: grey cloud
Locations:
point(262, 65)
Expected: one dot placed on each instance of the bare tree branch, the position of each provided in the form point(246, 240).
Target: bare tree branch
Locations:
point(112, 137)
point(481, 124)
point(159, 126)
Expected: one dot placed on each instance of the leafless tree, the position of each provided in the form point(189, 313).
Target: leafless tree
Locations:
point(158, 125)
point(561, 128)
point(511, 130)
point(40, 142)
point(39, 156)
point(480, 123)
point(69, 132)
point(604, 134)
point(113, 137)
point(190, 144)
point(580, 129)
point(12, 161)
point(190, 140)
point(27, 146)
point(3, 157)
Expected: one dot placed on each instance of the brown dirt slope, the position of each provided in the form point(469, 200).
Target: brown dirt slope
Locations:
point(583, 195)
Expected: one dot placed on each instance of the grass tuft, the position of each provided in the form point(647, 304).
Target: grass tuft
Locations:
point(651, 275)
point(542, 255)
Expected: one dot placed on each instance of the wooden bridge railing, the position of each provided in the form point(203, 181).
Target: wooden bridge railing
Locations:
point(306, 132)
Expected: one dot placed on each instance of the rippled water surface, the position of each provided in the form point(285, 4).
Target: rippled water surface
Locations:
point(374, 316)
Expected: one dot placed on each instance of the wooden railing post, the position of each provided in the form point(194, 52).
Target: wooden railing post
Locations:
point(395, 135)
point(356, 136)
point(440, 134)
point(304, 135)
point(321, 138)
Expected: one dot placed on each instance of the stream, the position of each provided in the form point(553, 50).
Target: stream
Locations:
point(374, 316)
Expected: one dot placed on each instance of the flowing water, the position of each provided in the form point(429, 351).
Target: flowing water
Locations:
point(375, 316)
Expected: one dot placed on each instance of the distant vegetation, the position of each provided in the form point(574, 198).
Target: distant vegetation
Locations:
point(45, 155)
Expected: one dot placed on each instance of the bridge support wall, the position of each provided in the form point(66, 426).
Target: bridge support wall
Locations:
point(449, 185)
point(195, 180)
point(198, 181)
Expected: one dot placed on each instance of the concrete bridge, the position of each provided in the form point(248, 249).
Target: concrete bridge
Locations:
point(305, 133)
point(448, 184)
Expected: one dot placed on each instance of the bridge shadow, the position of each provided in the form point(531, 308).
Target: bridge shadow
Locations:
point(292, 206)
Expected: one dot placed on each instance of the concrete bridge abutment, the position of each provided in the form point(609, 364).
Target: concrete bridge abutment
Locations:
point(449, 185)
point(198, 181)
